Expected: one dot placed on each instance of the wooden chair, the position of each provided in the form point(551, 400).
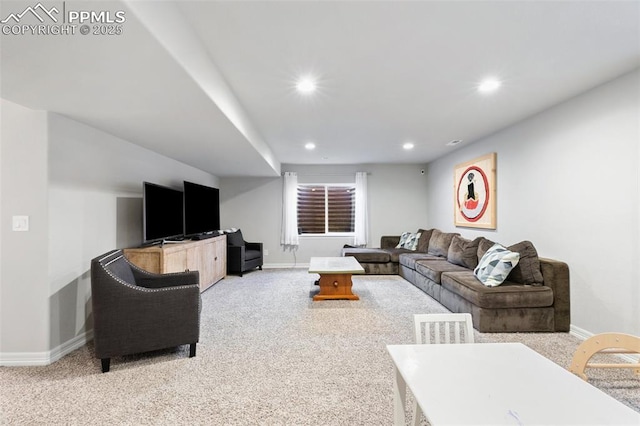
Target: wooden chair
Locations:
point(437, 329)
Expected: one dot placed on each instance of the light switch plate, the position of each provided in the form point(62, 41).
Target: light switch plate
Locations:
point(20, 223)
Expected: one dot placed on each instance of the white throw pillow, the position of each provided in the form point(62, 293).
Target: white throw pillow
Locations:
point(412, 241)
point(409, 240)
point(403, 239)
point(495, 265)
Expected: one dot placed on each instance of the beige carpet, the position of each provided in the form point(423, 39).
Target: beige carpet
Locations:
point(267, 355)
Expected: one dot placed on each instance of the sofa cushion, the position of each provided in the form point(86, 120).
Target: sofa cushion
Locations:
point(368, 255)
point(439, 243)
point(484, 245)
point(423, 242)
point(528, 270)
point(508, 295)
point(463, 252)
point(122, 270)
point(252, 254)
point(409, 259)
point(433, 269)
point(495, 265)
point(394, 254)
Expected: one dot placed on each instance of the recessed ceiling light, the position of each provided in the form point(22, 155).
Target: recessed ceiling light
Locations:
point(306, 85)
point(310, 146)
point(489, 85)
point(454, 142)
point(408, 145)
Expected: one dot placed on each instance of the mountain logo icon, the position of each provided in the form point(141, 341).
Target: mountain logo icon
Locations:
point(39, 11)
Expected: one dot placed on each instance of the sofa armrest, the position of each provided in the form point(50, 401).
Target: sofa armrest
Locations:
point(174, 279)
point(556, 275)
point(253, 246)
point(389, 242)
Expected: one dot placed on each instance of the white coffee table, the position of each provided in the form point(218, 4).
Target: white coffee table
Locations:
point(335, 276)
point(498, 384)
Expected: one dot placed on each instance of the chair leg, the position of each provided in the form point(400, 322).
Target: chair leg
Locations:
point(106, 362)
point(192, 350)
point(260, 267)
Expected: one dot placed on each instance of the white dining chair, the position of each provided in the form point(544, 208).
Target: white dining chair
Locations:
point(441, 329)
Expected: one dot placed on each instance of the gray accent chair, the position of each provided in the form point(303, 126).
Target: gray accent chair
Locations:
point(242, 255)
point(135, 311)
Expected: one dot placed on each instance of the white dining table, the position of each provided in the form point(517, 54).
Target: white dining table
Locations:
point(497, 384)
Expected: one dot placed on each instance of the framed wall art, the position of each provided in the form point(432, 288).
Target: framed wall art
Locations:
point(474, 192)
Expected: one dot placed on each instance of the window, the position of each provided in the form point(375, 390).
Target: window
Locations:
point(326, 209)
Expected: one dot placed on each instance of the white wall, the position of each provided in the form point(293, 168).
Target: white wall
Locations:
point(95, 205)
point(24, 306)
point(83, 191)
point(568, 180)
point(396, 204)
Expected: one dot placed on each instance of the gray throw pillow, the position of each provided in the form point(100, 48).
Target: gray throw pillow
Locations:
point(440, 242)
point(483, 246)
point(423, 242)
point(528, 270)
point(464, 252)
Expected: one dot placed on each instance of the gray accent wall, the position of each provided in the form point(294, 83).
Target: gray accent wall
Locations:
point(396, 198)
point(82, 189)
point(568, 180)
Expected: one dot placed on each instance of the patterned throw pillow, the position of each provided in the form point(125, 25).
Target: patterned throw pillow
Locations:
point(409, 240)
point(412, 241)
point(495, 265)
point(403, 239)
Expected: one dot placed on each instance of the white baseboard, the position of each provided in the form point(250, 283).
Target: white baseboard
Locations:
point(285, 266)
point(24, 359)
point(580, 333)
point(28, 359)
point(583, 334)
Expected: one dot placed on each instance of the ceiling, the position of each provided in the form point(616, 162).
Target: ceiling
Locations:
point(211, 84)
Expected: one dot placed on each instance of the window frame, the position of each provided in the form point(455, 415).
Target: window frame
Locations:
point(327, 233)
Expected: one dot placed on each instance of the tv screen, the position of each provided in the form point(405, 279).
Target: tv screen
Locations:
point(201, 209)
point(162, 213)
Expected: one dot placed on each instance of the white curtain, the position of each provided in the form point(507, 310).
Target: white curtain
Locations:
point(289, 238)
point(361, 215)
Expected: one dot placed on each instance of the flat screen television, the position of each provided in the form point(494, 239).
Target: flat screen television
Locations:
point(201, 209)
point(162, 213)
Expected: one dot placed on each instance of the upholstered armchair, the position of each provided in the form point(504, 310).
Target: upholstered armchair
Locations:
point(135, 311)
point(241, 255)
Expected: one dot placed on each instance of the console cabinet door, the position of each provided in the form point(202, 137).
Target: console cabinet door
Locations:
point(207, 277)
point(220, 258)
point(174, 261)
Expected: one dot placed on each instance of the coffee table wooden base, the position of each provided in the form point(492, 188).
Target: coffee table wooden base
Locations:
point(335, 287)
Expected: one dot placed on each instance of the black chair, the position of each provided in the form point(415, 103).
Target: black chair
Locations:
point(241, 255)
point(135, 311)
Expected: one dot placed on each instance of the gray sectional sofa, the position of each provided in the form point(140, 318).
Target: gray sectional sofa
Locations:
point(534, 297)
